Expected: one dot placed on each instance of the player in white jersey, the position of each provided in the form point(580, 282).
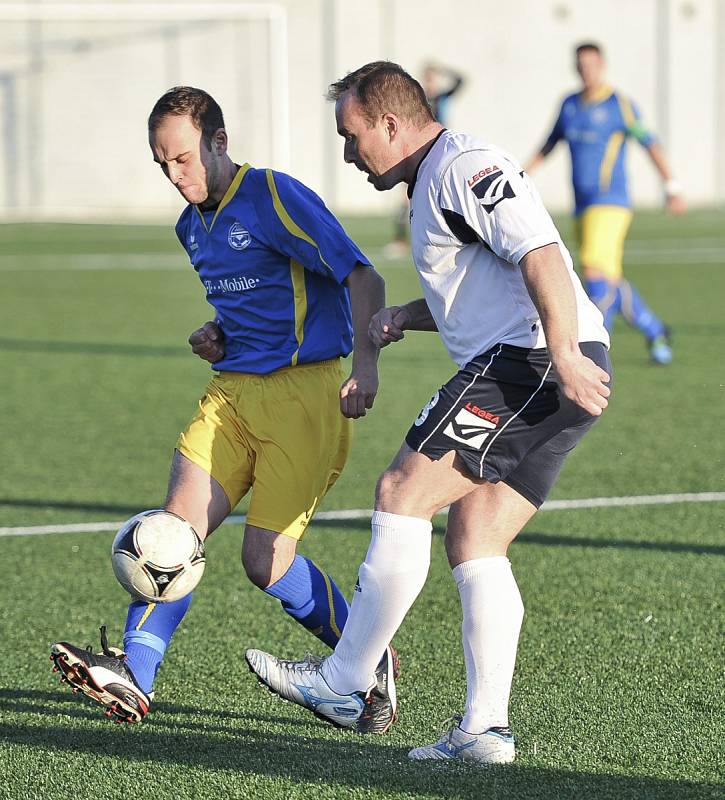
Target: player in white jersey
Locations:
point(534, 375)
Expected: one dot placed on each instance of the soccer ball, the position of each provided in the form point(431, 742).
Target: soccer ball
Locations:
point(157, 556)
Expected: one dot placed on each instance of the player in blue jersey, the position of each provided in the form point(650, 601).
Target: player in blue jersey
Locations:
point(596, 123)
point(292, 295)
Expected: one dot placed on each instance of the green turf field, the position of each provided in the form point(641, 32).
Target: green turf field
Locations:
point(618, 691)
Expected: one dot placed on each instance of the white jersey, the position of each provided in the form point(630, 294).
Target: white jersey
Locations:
point(474, 215)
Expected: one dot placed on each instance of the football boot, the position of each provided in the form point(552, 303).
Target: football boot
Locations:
point(301, 682)
point(660, 348)
point(104, 677)
point(493, 746)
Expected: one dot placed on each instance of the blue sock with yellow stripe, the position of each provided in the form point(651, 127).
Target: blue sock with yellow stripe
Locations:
point(312, 598)
point(637, 312)
point(606, 297)
point(149, 628)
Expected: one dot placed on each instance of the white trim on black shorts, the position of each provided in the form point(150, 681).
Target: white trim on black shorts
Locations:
point(511, 419)
point(453, 405)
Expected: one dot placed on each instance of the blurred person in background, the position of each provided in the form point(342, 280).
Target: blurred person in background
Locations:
point(439, 83)
point(596, 123)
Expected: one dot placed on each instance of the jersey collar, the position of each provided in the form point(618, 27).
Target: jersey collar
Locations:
point(425, 155)
point(230, 192)
point(603, 93)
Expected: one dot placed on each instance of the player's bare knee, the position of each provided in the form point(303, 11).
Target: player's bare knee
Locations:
point(258, 566)
point(389, 488)
point(198, 522)
point(266, 555)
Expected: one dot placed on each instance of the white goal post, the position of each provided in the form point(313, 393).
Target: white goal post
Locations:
point(77, 81)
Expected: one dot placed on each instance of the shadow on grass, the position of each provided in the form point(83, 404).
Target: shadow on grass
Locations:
point(92, 348)
point(71, 505)
point(557, 540)
point(254, 745)
point(166, 715)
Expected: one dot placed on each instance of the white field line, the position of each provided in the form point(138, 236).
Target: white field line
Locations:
point(703, 250)
point(364, 513)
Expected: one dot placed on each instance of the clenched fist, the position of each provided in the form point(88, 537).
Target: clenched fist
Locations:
point(208, 342)
point(387, 325)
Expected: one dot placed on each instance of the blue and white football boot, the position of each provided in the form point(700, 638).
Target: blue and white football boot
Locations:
point(301, 682)
point(494, 746)
point(660, 348)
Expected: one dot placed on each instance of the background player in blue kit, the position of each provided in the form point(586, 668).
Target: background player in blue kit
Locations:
point(292, 295)
point(596, 122)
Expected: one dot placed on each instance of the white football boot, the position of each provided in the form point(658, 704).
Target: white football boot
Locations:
point(301, 682)
point(494, 746)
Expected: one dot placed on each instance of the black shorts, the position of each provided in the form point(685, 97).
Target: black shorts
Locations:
point(507, 419)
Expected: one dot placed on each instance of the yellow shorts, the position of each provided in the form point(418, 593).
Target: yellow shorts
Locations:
point(601, 231)
point(282, 434)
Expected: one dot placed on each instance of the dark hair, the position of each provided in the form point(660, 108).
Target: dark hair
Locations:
point(187, 101)
point(584, 46)
point(381, 87)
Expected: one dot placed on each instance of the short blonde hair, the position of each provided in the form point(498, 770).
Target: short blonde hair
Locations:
point(381, 87)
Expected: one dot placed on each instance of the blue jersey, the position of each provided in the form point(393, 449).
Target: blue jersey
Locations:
point(273, 260)
point(596, 132)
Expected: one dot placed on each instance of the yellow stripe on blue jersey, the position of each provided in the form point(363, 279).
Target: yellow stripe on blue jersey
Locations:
point(273, 261)
point(298, 282)
point(285, 217)
point(611, 154)
point(230, 192)
point(626, 108)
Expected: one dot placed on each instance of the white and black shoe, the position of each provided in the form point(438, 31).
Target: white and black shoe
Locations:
point(381, 702)
point(104, 677)
point(493, 746)
point(301, 682)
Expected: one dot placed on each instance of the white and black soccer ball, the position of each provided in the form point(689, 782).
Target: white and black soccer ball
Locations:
point(157, 556)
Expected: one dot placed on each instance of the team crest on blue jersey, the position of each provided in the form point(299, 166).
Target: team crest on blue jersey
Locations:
point(239, 237)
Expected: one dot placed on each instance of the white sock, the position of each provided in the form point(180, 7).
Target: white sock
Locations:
point(492, 616)
point(389, 580)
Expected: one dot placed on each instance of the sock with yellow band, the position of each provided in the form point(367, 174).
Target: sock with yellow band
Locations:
point(313, 599)
point(149, 628)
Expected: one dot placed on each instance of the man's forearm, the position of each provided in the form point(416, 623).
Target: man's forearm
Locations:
point(550, 288)
point(657, 154)
point(367, 296)
point(419, 315)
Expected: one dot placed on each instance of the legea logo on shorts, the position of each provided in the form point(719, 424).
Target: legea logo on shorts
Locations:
point(471, 426)
point(239, 237)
